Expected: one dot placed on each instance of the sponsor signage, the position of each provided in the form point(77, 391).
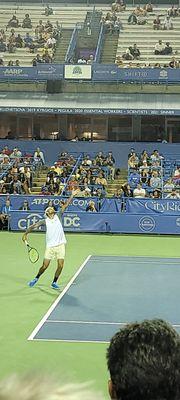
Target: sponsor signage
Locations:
point(77, 72)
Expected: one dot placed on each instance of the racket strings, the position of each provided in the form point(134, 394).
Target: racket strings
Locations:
point(33, 255)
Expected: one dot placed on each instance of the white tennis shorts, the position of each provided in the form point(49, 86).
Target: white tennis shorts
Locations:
point(57, 252)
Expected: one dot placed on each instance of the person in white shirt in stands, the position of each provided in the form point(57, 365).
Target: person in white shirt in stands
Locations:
point(167, 24)
point(173, 195)
point(139, 192)
point(159, 47)
point(39, 156)
point(55, 241)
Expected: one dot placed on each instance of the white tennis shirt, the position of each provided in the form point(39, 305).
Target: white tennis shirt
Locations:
point(54, 232)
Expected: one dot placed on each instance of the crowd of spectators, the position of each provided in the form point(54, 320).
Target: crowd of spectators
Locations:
point(41, 39)
point(139, 16)
point(147, 178)
point(88, 174)
point(16, 170)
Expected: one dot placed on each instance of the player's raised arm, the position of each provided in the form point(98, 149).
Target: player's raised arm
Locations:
point(66, 204)
point(32, 227)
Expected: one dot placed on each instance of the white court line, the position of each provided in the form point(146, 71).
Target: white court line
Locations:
point(86, 322)
point(72, 341)
point(137, 262)
point(43, 320)
point(97, 323)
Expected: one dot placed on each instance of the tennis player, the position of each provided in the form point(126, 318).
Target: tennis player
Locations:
point(55, 241)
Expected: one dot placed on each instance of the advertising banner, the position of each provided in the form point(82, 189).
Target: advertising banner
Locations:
point(153, 206)
point(77, 71)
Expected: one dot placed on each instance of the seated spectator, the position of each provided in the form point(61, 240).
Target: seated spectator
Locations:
point(39, 28)
point(155, 157)
point(176, 176)
point(2, 46)
point(168, 49)
point(28, 40)
point(141, 364)
point(141, 19)
point(118, 26)
point(156, 194)
point(139, 192)
point(48, 27)
point(5, 214)
point(133, 161)
point(173, 63)
point(159, 47)
point(2, 35)
point(1, 62)
point(46, 57)
point(81, 60)
point(167, 24)
point(37, 60)
point(39, 156)
point(173, 195)
point(91, 206)
point(149, 7)
point(90, 59)
point(157, 23)
point(27, 22)
point(128, 55)
point(155, 181)
point(17, 63)
point(119, 62)
point(168, 186)
point(135, 52)
point(172, 11)
point(19, 41)
point(138, 10)
point(132, 19)
point(101, 180)
point(11, 43)
point(48, 10)
point(13, 22)
point(25, 206)
point(50, 43)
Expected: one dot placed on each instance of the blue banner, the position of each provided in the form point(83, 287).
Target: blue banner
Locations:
point(100, 73)
point(103, 222)
point(39, 203)
point(41, 72)
point(153, 206)
point(110, 72)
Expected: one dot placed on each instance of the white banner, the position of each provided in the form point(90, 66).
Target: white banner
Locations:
point(77, 71)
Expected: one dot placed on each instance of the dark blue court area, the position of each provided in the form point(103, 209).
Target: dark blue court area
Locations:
point(109, 291)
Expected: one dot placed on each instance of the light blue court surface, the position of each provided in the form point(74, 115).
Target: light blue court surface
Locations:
point(109, 291)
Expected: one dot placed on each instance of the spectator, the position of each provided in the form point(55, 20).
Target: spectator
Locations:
point(141, 19)
point(48, 27)
point(19, 41)
point(46, 57)
point(39, 156)
point(48, 10)
point(173, 63)
point(159, 47)
point(90, 59)
point(157, 23)
point(2, 46)
point(81, 60)
point(173, 195)
point(128, 54)
point(50, 43)
point(155, 181)
point(13, 22)
point(132, 19)
point(168, 48)
point(172, 11)
point(127, 190)
point(139, 192)
point(27, 22)
point(135, 52)
point(25, 206)
point(118, 26)
point(149, 7)
point(28, 40)
point(39, 28)
point(144, 362)
point(91, 206)
point(17, 63)
point(167, 24)
point(5, 214)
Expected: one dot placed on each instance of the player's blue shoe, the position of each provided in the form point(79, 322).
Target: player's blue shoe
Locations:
point(54, 285)
point(33, 282)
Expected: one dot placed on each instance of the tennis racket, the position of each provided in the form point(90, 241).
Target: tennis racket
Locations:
point(32, 253)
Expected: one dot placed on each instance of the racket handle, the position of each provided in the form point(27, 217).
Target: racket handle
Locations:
point(26, 243)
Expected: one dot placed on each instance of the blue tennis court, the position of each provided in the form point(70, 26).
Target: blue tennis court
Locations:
point(107, 292)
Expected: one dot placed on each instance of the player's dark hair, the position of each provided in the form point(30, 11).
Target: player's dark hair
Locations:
point(144, 361)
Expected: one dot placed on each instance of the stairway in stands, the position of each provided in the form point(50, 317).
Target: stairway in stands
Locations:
point(62, 46)
point(109, 50)
point(39, 179)
point(117, 183)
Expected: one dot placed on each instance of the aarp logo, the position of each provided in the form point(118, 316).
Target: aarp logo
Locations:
point(24, 223)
